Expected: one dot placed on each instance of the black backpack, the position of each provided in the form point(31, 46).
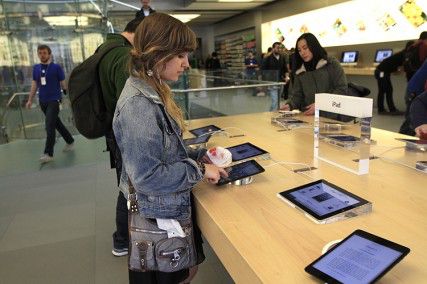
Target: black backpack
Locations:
point(411, 61)
point(87, 102)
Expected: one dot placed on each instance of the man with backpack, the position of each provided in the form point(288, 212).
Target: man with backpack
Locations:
point(48, 79)
point(415, 56)
point(113, 73)
point(95, 86)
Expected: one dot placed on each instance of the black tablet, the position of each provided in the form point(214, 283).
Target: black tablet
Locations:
point(359, 258)
point(344, 138)
point(414, 141)
point(242, 170)
point(197, 140)
point(205, 130)
point(245, 151)
point(287, 120)
point(321, 199)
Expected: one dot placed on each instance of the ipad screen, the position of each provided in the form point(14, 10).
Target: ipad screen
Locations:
point(245, 151)
point(197, 140)
point(204, 130)
point(242, 170)
point(322, 199)
point(360, 258)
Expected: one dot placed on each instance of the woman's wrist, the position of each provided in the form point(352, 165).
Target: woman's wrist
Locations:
point(202, 167)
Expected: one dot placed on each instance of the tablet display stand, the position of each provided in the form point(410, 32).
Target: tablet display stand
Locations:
point(411, 146)
point(243, 181)
point(342, 153)
point(360, 210)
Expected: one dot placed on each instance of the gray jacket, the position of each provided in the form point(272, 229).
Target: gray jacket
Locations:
point(328, 77)
point(154, 156)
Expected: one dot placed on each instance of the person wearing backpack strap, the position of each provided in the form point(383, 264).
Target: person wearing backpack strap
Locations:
point(415, 56)
point(48, 79)
point(113, 73)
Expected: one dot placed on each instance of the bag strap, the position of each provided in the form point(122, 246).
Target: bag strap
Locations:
point(132, 199)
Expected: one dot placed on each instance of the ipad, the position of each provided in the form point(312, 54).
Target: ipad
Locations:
point(287, 120)
point(359, 258)
point(242, 170)
point(205, 130)
point(322, 200)
point(415, 141)
point(344, 138)
point(245, 151)
point(197, 140)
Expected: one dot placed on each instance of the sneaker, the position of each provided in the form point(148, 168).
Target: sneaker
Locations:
point(68, 147)
point(45, 158)
point(119, 251)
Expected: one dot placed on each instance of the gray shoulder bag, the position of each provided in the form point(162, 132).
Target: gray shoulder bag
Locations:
point(150, 249)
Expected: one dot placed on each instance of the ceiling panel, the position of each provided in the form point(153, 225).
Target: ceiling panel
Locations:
point(210, 11)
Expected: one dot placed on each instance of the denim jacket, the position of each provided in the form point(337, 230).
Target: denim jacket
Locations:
point(155, 159)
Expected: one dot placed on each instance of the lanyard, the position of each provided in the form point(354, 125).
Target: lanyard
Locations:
point(44, 72)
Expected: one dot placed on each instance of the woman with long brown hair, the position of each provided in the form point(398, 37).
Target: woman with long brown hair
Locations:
point(148, 126)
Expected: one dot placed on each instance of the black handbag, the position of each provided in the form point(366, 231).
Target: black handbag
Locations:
point(150, 249)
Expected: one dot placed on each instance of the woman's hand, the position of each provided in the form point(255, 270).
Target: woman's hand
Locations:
point(285, 107)
point(309, 110)
point(214, 173)
point(421, 131)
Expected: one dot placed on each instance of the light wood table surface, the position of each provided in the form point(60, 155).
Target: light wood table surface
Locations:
point(260, 239)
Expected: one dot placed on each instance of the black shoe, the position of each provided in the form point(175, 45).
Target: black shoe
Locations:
point(382, 112)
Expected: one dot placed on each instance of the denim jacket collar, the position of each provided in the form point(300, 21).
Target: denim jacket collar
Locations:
point(145, 89)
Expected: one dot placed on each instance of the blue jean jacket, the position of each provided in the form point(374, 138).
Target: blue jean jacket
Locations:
point(162, 170)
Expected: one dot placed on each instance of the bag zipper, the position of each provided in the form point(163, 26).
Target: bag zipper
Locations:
point(147, 231)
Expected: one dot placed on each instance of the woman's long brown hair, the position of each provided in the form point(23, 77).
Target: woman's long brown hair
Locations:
point(157, 40)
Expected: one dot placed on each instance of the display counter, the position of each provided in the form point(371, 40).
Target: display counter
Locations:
point(260, 239)
point(350, 70)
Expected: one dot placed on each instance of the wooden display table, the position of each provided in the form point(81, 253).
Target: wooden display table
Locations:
point(260, 239)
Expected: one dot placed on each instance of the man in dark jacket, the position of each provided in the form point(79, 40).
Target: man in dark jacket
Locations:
point(416, 86)
point(274, 69)
point(145, 9)
point(113, 73)
point(418, 115)
point(382, 74)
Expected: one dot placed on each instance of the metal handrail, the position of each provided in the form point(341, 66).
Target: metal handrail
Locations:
point(14, 96)
point(228, 87)
point(262, 84)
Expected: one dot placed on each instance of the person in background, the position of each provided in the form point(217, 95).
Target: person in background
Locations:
point(48, 79)
point(415, 55)
point(148, 127)
point(214, 66)
point(213, 62)
point(418, 114)
point(382, 75)
point(113, 73)
point(416, 86)
point(316, 72)
point(274, 69)
point(145, 9)
point(251, 65)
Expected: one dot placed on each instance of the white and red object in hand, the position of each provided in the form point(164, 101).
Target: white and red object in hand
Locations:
point(219, 156)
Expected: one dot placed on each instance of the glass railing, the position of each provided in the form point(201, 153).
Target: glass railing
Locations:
point(202, 93)
point(199, 93)
point(18, 122)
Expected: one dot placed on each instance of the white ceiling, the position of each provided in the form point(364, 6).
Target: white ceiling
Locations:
point(211, 11)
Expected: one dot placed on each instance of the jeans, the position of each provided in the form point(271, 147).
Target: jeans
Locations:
point(121, 235)
point(384, 87)
point(52, 122)
point(406, 127)
point(274, 94)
